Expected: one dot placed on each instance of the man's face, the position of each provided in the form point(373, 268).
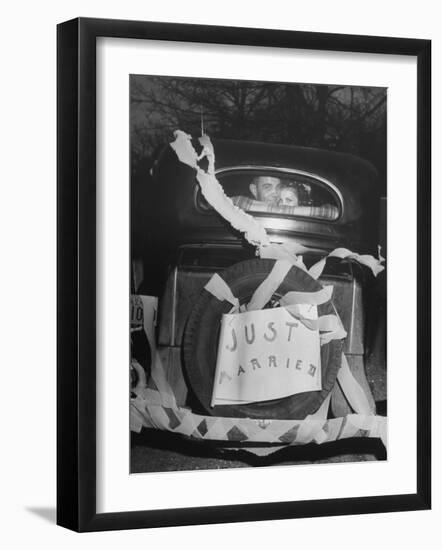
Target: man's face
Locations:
point(266, 189)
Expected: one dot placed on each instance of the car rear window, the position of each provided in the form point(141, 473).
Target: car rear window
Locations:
point(270, 192)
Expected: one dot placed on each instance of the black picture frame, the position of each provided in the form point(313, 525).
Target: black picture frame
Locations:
point(76, 274)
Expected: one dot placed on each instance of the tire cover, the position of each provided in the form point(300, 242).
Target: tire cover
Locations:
point(201, 345)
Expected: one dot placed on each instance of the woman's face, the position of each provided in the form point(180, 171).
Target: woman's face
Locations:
point(288, 197)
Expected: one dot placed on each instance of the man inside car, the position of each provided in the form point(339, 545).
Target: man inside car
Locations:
point(266, 193)
point(266, 189)
point(270, 194)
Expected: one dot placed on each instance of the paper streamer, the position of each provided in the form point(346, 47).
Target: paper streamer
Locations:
point(295, 311)
point(330, 328)
point(184, 149)
point(214, 194)
point(221, 290)
point(213, 191)
point(155, 407)
point(352, 390)
point(313, 298)
point(365, 259)
point(284, 251)
point(284, 432)
point(269, 286)
point(207, 152)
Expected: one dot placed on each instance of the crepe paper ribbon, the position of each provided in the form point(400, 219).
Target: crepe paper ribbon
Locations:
point(214, 194)
point(142, 381)
point(352, 390)
point(266, 431)
point(311, 430)
point(371, 426)
point(136, 420)
point(284, 251)
point(322, 412)
point(155, 407)
point(330, 328)
point(163, 386)
point(213, 191)
point(313, 298)
point(311, 324)
point(365, 259)
point(221, 290)
point(317, 421)
point(207, 152)
point(184, 149)
point(269, 286)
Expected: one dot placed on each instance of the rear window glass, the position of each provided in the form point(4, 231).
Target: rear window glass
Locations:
point(276, 193)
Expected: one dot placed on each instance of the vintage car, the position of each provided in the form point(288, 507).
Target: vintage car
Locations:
point(338, 201)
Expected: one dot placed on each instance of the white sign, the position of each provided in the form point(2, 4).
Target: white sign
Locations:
point(267, 354)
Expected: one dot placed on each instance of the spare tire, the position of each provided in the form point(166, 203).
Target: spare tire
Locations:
point(201, 344)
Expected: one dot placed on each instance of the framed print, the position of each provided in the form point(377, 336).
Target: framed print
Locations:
point(230, 202)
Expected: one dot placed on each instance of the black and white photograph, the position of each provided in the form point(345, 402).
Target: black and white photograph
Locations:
point(219, 235)
point(258, 225)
